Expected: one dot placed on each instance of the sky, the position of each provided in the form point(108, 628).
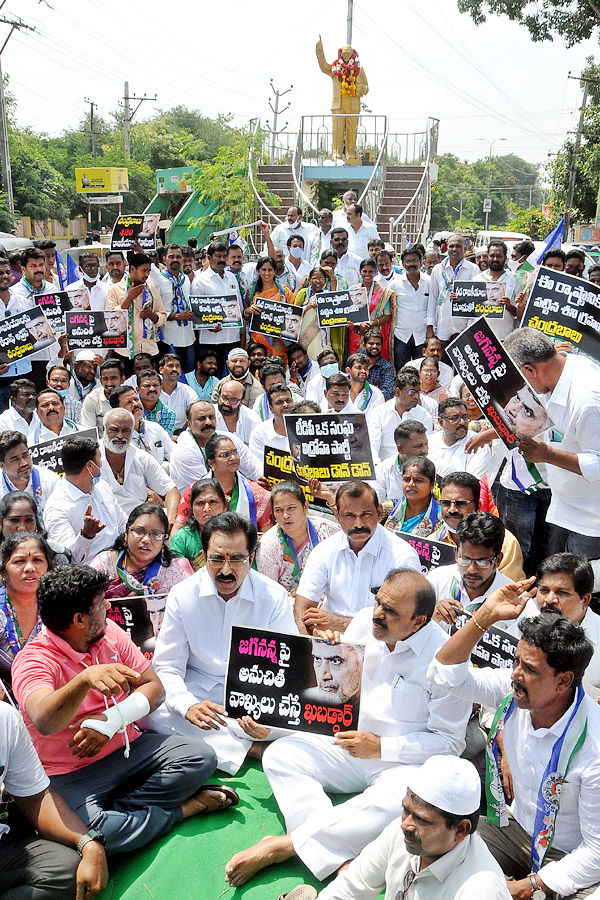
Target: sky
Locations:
point(422, 59)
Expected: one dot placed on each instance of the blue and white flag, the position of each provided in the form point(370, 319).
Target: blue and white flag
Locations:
point(73, 273)
point(235, 237)
point(60, 268)
point(552, 242)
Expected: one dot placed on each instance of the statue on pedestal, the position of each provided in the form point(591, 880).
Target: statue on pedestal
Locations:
point(349, 85)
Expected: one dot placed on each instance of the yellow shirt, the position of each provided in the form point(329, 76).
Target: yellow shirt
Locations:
point(114, 300)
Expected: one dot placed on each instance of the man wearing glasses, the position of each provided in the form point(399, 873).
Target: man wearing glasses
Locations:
point(447, 447)
point(232, 416)
point(193, 644)
point(404, 405)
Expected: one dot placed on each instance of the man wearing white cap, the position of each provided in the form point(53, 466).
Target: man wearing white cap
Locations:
point(238, 363)
point(84, 374)
point(432, 851)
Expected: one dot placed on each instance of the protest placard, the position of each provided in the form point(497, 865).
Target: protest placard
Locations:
point(23, 334)
point(278, 466)
point(504, 396)
point(431, 553)
point(49, 453)
point(141, 617)
point(288, 681)
point(100, 329)
point(209, 311)
point(330, 446)
point(478, 298)
point(496, 648)
point(54, 306)
point(341, 307)
point(276, 319)
point(566, 308)
point(130, 230)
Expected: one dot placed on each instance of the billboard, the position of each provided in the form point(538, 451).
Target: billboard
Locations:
point(174, 181)
point(109, 180)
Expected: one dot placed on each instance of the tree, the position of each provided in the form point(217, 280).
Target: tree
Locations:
point(533, 222)
point(572, 20)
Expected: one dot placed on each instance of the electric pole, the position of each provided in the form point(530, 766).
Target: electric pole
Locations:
point(276, 113)
point(128, 116)
point(349, 23)
point(92, 132)
point(575, 154)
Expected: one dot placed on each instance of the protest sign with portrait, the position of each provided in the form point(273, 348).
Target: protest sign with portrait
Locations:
point(341, 307)
point(54, 305)
point(330, 446)
point(23, 334)
point(276, 319)
point(130, 230)
point(210, 311)
point(478, 298)
point(100, 329)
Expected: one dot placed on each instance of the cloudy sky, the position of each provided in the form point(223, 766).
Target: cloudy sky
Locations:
point(422, 58)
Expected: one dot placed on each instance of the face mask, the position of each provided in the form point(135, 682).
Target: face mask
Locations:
point(90, 279)
point(63, 391)
point(513, 264)
point(329, 369)
point(295, 225)
point(296, 252)
point(96, 478)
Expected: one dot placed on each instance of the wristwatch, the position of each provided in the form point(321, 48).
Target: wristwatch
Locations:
point(94, 835)
point(536, 892)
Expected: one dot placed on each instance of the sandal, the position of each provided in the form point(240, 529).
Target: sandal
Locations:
point(231, 797)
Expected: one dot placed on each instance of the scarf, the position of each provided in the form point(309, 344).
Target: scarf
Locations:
point(179, 301)
point(30, 287)
point(243, 501)
point(36, 485)
point(36, 434)
point(12, 628)
point(448, 282)
point(150, 581)
point(288, 551)
point(366, 394)
point(147, 330)
point(548, 798)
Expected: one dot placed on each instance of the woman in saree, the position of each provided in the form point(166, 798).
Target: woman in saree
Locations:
point(417, 512)
point(243, 496)
point(207, 499)
point(266, 287)
point(382, 305)
point(321, 278)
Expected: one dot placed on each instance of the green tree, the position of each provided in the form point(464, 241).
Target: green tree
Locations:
point(533, 222)
point(572, 20)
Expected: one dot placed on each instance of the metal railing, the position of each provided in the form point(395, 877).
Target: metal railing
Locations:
point(253, 160)
point(407, 148)
point(317, 139)
point(413, 221)
point(297, 174)
point(373, 192)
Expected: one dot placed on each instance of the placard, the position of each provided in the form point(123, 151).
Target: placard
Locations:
point(294, 681)
point(23, 334)
point(49, 453)
point(431, 553)
point(140, 616)
point(101, 329)
point(276, 319)
point(278, 466)
point(478, 298)
point(209, 311)
point(130, 230)
point(330, 446)
point(566, 308)
point(504, 396)
point(495, 649)
point(341, 307)
point(54, 306)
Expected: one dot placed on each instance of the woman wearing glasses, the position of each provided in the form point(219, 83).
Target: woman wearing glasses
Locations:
point(243, 496)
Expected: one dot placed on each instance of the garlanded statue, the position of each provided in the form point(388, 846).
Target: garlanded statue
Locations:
point(349, 85)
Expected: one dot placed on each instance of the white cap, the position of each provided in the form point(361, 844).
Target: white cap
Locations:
point(85, 356)
point(449, 783)
point(237, 351)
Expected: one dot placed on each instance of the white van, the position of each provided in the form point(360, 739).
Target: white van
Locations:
point(510, 238)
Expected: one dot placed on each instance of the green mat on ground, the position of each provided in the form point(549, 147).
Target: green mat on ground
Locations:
point(189, 864)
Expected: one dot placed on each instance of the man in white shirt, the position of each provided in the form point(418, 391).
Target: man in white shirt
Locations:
point(359, 232)
point(232, 415)
point(339, 215)
point(322, 238)
point(21, 415)
point(59, 378)
point(411, 440)
point(96, 404)
point(412, 298)
point(129, 472)
point(193, 643)
point(84, 375)
point(403, 720)
point(347, 565)
point(404, 405)
point(32, 282)
point(447, 447)
point(82, 513)
point(188, 461)
point(175, 394)
point(336, 397)
point(434, 347)
point(293, 226)
point(175, 293)
point(505, 293)
point(216, 281)
point(147, 435)
point(272, 372)
point(572, 397)
point(546, 845)
point(328, 363)
point(272, 432)
point(90, 282)
point(51, 413)
point(455, 267)
point(348, 263)
point(296, 264)
point(364, 396)
point(433, 847)
point(19, 473)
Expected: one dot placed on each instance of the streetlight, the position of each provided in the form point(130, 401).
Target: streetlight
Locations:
point(489, 184)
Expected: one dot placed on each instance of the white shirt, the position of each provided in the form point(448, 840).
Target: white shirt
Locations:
point(346, 577)
point(398, 702)
point(467, 872)
point(358, 241)
point(315, 388)
point(348, 265)
point(154, 440)
point(193, 645)
point(441, 316)
point(49, 482)
point(188, 463)
point(296, 275)
point(388, 479)
point(180, 334)
point(411, 307)
point(20, 291)
point(318, 245)
point(178, 400)
point(384, 422)
point(501, 327)
point(527, 752)
point(11, 420)
point(264, 435)
point(447, 373)
point(444, 578)
point(42, 433)
point(63, 517)
point(574, 407)
point(247, 421)
point(141, 472)
point(210, 284)
point(348, 408)
point(282, 232)
point(373, 399)
point(97, 292)
point(93, 409)
point(20, 767)
point(340, 219)
point(453, 458)
point(313, 371)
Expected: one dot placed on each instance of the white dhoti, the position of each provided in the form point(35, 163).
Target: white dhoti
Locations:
point(300, 768)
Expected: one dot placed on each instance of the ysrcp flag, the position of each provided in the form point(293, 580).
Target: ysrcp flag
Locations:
point(236, 238)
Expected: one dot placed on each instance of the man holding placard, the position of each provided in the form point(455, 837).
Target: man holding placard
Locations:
point(502, 287)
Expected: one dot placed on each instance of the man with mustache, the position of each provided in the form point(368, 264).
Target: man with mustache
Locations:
point(19, 473)
point(346, 565)
point(447, 447)
point(232, 415)
point(51, 413)
point(148, 436)
point(192, 647)
point(21, 415)
point(496, 273)
point(548, 731)
point(96, 404)
point(149, 384)
point(403, 720)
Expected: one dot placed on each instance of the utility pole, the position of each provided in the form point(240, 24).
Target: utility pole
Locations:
point(276, 113)
point(349, 23)
point(15, 25)
point(92, 132)
point(128, 116)
point(489, 184)
point(575, 153)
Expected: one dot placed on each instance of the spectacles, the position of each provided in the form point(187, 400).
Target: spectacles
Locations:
point(153, 535)
point(412, 391)
point(480, 563)
point(459, 504)
point(227, 453)
point(454, 419)
point(406, 884)
point(236, 562)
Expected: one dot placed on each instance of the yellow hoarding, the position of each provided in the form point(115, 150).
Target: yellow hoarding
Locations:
point(110, 180)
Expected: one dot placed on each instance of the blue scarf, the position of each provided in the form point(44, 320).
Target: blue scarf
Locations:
point(179, 302)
